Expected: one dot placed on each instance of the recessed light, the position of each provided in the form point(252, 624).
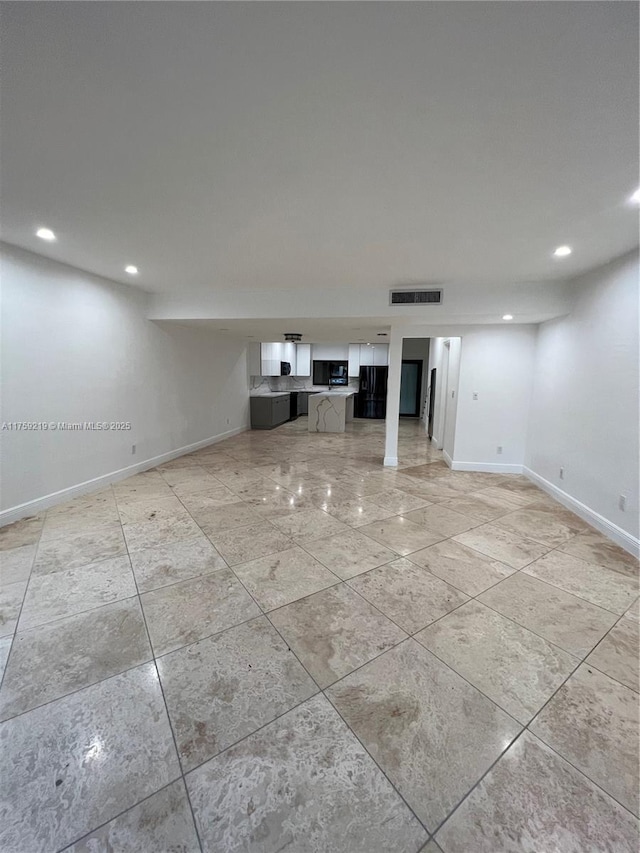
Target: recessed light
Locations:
point(131, 269)
point(46, 234)
point(635, 198)
point(562, 251)
point(507, 316)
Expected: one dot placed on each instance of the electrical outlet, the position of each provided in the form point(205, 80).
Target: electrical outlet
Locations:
point(499, 449)
point(622, 502)
point(562, 473)
point(475, 395)
point(228, 421)
point(133, 448)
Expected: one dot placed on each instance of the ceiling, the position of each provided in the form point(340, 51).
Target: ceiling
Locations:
point(320, 145)
point(313, 330)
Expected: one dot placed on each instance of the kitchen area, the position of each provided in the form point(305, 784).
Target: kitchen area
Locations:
point(329, 383)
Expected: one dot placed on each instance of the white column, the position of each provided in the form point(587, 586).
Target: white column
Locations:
point(393, 399)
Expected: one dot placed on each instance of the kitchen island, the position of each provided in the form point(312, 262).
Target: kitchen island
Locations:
point(329, 411)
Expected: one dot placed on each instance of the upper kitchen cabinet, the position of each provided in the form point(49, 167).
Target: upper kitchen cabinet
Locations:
point(354, 359)
point(376, 355)
point(254, 359)
point(302, 364)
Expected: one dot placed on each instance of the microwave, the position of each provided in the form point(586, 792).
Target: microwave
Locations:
point(285, 368)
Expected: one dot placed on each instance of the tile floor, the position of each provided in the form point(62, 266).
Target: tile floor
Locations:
point(276, 644)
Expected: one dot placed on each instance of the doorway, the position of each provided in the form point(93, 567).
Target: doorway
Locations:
point(410, 388)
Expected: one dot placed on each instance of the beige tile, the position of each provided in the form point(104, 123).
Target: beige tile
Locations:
point(80, 761)
point(462, 567)
point(15, 564)
point(223, 688)
point(597, 549)
point(356, 512)
point(309, 524)
point(441, 521)
point(280, 578)
point(549, 527)
point(71, 552)
point(408, 594)
point(592, 722)
point(227, 517)
point(335, 631)
point(515, 668)
point(163, 823)
point(515, 551)
point(605, 587)
point(398, 502)
point(562, 619)
point(249, 543)
point(303, 783)
point(160, 531)
point(533, 801)
point(432, 733)
point(179, 561)
point(197, 497)
point(66, 655)
point(11, 597)
point(24, 532)
point(349, 554)
point(617, 653)
point(191, 610)
point(400, 534)
point(152, 509)
point(90, 520)
point(5, 648)
point(481, 506)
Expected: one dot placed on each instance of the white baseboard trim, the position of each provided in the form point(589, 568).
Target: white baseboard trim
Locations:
point(486, 467)
point(608, 528)
point(447, 458)
point(7, 516)
point(390, 461)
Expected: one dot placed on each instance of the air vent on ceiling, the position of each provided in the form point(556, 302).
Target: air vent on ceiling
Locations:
point(415, 297)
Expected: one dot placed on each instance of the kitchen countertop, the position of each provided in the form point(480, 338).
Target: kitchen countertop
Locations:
point(313, 390)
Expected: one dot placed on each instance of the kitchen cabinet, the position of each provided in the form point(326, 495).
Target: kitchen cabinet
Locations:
point(271, 358)
point(303, 402)
point(254, 359)
point(376, 355)
point(269, 412)
point(302, 365)
point(354, 359)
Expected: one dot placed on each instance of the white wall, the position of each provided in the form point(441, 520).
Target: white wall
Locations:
point(79, 348)
point(584, 414)
point(496, 363)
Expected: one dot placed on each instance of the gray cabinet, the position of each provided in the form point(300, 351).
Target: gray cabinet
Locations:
point(303, 402)
point(269, 412)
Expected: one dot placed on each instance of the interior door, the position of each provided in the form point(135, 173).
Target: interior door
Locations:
point(432, 403)
point(410, 387)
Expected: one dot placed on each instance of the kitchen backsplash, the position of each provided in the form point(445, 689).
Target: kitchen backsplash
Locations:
point(288, 383)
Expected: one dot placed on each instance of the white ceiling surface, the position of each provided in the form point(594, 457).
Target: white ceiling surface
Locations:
point(375, 330)
point(225, 147)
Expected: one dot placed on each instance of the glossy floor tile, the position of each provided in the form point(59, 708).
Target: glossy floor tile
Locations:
point(517, 669)
point(225, 687)
point(161, 823)
point(184, 612)
point(592, 721)
point(68, 654)
point(565, 620)
point(432, 733)
point(74, 764)
point(532, 801)
point(302, 783)
point(335, 631)
point(408, 594)
point(227, 635)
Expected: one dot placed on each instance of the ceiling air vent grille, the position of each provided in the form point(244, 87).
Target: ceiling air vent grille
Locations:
point(415, 297)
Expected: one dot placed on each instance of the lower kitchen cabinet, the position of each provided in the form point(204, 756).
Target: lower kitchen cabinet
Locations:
point(270, 412)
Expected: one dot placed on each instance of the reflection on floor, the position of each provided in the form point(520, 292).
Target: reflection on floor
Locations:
point(276, 644)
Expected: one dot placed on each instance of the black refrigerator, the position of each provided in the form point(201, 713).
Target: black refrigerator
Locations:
point(371, 400)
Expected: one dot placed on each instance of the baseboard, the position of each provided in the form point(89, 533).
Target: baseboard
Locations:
point(7, 516)
point(447, 459)
point(608, 528)
point(390, 461)
point(486, 467)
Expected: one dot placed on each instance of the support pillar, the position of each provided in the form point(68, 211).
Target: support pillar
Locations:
point(393, 399)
